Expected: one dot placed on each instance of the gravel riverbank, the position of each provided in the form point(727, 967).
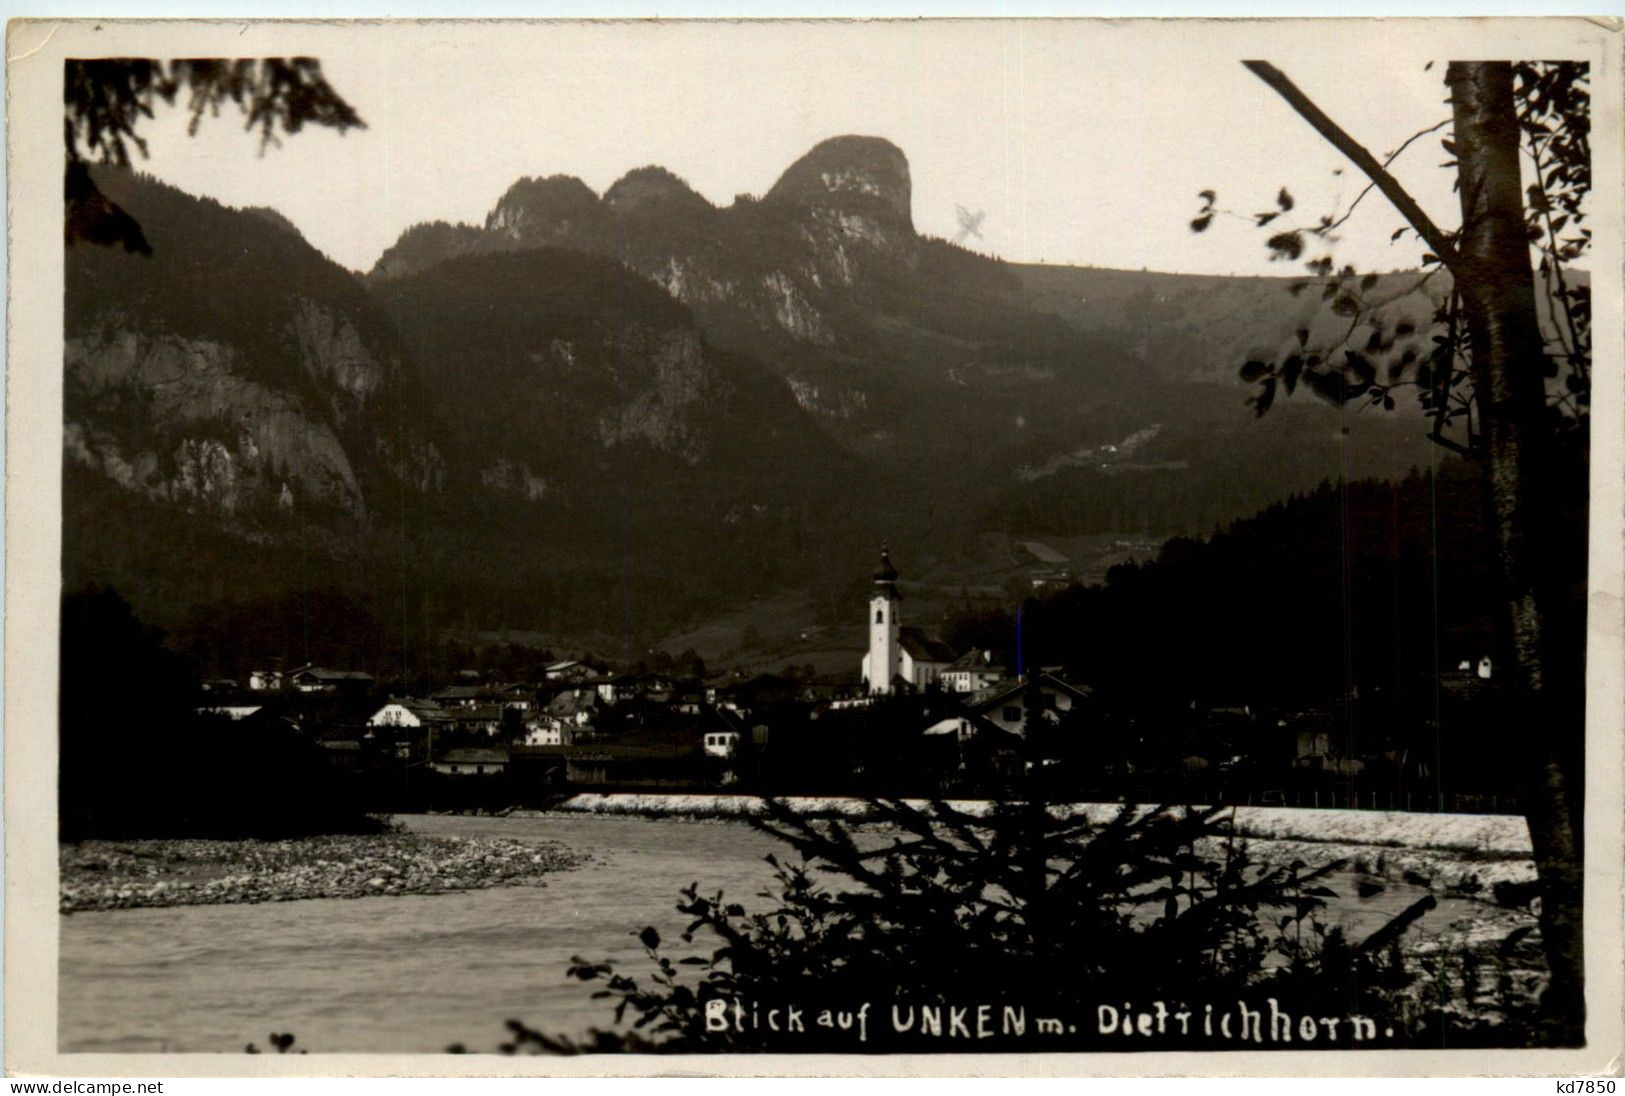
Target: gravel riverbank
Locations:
point(101, 875)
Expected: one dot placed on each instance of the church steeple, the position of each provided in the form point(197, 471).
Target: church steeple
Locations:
point(881, 664)
point(886, 576)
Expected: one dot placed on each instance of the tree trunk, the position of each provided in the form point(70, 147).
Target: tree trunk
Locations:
point(1508, 369)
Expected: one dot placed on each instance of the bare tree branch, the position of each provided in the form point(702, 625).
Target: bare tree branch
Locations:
point(1389, 159)
point(1436, 238)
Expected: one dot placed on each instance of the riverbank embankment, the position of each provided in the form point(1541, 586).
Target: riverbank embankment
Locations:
point(100, 875)
point(1467, 854)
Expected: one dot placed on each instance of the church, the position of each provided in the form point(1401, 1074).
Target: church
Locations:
point(900, 659)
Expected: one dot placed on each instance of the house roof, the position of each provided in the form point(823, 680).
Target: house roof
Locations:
point(618, 751)
point(236, 711)
point(479, 714)
point(975, 660)
point(566, 704)
point(922, 648)
point(460, 692)
point(1020, 686)
point(413, 703)
point(474, 755)
point(333, 675)
point(424, 710)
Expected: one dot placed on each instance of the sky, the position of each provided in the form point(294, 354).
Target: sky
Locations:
point(1081, 143)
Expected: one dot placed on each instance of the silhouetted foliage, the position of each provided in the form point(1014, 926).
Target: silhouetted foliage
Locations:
point(106, 99)
point(139, 760)
point(1383, 351)
point(1031, 911)
point(1508, 385)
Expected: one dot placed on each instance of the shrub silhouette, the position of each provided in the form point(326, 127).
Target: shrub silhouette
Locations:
point(1047, 909)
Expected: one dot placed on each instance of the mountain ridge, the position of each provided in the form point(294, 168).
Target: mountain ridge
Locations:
point(618, 412)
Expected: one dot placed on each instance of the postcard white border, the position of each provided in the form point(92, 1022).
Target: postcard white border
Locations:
point(35, 51)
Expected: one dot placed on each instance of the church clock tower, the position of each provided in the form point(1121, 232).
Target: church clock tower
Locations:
point(881, 664)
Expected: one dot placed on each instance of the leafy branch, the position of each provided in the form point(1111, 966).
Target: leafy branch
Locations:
point(1553, 115)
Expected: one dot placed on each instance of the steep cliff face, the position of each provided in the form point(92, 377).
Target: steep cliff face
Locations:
point(852, 200)
point(233, 376)
point(549, 365)
point(172, 419)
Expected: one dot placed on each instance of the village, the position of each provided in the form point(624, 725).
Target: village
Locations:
point(916, 718)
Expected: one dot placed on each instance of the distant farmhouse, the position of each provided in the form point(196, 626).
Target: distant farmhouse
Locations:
point(473, 762)
point(972, 672)
point(315, 679)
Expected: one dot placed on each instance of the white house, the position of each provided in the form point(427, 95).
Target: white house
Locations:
point(1042, 694)
point(972, 672)
point(403, 712)
point(544, 730)
point(721, 743)
point(568, 669)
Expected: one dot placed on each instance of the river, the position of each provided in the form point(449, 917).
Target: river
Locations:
point(417, 973)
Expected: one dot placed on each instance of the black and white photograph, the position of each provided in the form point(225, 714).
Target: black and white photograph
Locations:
point(814, 546)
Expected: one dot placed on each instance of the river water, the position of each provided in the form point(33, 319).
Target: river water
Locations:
point(417, 973)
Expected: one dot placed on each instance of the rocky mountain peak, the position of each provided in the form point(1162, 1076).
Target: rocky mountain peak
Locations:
point(423, 245)
point(654, 190)
point(543, 208)
point(850, 176)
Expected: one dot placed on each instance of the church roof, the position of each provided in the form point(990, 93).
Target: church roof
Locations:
point(922, 648)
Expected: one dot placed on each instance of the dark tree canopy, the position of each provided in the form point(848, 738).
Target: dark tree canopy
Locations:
point(106, 99)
